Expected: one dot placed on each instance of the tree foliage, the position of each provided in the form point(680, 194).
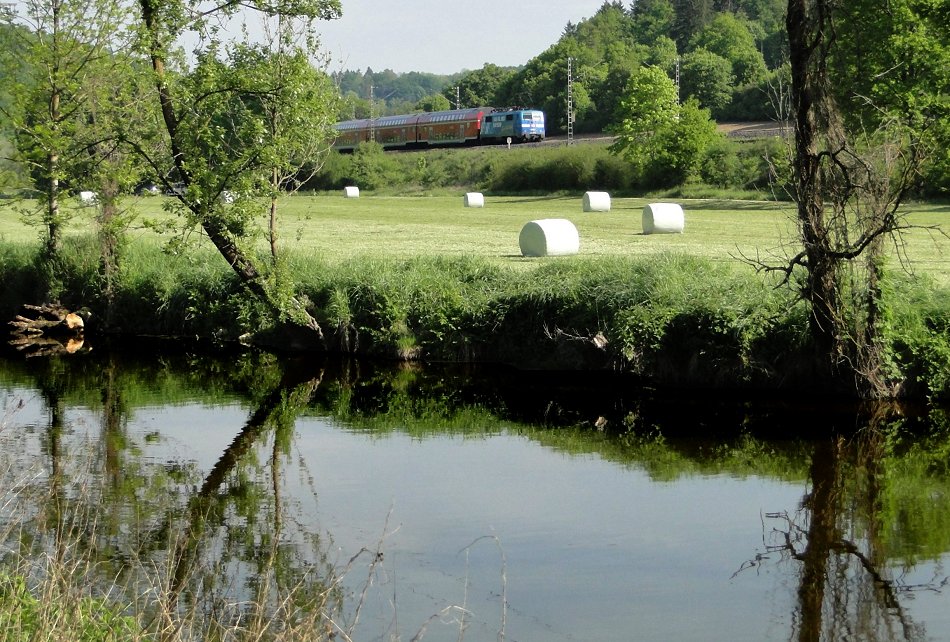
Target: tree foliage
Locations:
point(58, 48)
point(664, 140)
point(730, 37)
point(708, 78)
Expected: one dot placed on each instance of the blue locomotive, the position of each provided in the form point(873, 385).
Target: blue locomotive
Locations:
point(520, 125)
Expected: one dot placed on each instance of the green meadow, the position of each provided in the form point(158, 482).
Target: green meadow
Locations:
point(333, 229)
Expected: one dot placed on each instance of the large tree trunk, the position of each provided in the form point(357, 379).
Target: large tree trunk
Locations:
point(804, 24)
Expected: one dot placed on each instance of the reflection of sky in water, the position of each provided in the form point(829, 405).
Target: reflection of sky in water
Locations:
point(593, 550)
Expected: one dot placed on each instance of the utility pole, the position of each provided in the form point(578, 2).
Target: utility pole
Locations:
point(570, 101)
point(678, 80)
point(372, 116)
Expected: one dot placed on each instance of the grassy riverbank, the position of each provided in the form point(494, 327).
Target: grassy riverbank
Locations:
point(425, 277)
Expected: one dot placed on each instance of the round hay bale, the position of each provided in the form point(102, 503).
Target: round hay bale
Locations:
point(549, 237)
point(474, 199)
point(351, 191)
point(663, 218)
point(596, 202)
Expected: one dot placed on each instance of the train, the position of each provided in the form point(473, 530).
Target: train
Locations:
point(472, 126)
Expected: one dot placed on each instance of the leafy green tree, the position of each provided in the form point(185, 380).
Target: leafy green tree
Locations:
point(708, 78)
point(216, 142)
point(663, 54)
point(114, 113)
point(595, 45)
point(480, 87)
point(649, 107)
point(691, 17)
point(730, 37)
point(770, 14)
point(652, 19)
point(435, 102)
point(297, 114)
point(664, 140)
point(683, 144)
point(57, 50)
point(608, 82)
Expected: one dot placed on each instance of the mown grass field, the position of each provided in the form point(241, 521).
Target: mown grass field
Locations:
point(334, 229)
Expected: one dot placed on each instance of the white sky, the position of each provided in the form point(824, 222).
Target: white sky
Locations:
point(446, 36)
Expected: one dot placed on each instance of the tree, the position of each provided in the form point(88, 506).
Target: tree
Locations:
point(691, 16)
point(730, 37)
point(853, 168)
point(209, 152)
point(542, 83)
point(708, 78)
point(114, 111)
point(652, 19)
point(663, 54)
point(480, 87)
point(297, 113)
point(436, 102)
point(683, 145)
point(58, 46)
point(649, 107)
point(662, 139)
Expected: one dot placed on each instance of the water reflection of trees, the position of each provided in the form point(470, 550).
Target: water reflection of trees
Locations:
point(192, 557)
point(877, 503)
point(839, 539)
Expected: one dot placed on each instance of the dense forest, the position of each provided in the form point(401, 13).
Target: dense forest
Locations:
point(731, 55)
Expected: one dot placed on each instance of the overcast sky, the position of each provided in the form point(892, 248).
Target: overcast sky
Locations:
point(446, 36)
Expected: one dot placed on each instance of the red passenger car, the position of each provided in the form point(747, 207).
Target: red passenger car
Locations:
point(457, 126)
point(396, 131)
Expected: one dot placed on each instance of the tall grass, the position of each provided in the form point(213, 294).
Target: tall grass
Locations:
point(70, 573)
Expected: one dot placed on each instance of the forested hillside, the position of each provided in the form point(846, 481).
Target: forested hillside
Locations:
point(729, 54)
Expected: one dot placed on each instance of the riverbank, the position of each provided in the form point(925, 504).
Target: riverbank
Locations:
point(391, 278)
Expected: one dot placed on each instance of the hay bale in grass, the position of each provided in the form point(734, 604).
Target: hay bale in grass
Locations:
point(549, 237)
point(474, 199)
point(351, 191)
point(88, 198)
point(596, 202)
point(663, 218)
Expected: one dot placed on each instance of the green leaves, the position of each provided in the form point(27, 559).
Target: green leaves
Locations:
point(665, 141)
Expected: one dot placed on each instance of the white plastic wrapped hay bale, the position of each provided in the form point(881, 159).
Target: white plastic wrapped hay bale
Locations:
point(549, 237)
point(474, 199)
point(351, 191)
point(663, 218)
point(596, 202)
point(88, 198)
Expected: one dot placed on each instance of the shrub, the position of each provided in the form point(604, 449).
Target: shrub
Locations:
point(726, 165)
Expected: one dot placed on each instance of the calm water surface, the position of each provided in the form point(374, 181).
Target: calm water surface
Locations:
point(506, 506)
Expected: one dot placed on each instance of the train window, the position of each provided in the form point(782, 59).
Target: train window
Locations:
point(487, 119)
point(509, 117)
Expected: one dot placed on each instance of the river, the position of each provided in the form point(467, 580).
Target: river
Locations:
point(439, 503)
